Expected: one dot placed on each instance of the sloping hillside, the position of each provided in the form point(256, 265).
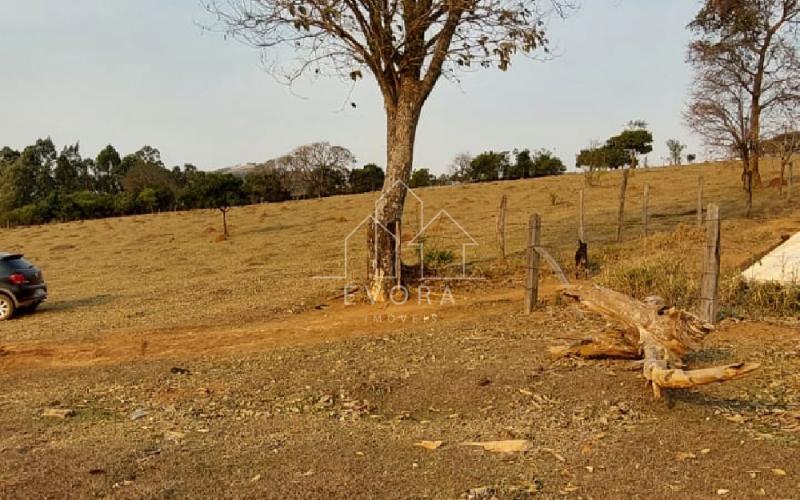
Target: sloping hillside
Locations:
point(171, 269)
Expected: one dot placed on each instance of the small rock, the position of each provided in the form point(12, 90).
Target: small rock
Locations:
point(61, 413)
point(429, 445)
point(255, 478)
point(484, 493)
point(138, 413)
point(723, 492)
point(779, 472)
point(737, 419)
point(174, 436)
point(508, 446)
point(177, 370)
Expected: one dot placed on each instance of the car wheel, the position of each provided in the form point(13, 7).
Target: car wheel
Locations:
point(6, 307)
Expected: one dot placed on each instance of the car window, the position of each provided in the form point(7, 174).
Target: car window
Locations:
point(19, 264)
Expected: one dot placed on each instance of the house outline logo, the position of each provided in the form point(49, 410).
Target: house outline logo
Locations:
point(417, 241)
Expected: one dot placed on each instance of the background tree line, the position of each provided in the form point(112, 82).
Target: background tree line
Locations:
point(41, 184)
point(503, 165)
point(320, 169)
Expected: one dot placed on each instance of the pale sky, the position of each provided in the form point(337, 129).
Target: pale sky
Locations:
point(135, 72)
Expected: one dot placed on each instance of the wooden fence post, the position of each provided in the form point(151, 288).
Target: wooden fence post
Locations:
point(621, 214)
point(501, 226)
point(645, 207)
point(581, 231)
point(791, 181)
point(709, 292)
point(532, 276)
point(700, 200)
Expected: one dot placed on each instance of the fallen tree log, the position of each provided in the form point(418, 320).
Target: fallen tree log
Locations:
point(658, 335)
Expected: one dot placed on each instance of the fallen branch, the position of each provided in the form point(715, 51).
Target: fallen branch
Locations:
point(660, 336)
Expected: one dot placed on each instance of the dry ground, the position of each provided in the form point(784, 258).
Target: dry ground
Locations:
point(286, 399)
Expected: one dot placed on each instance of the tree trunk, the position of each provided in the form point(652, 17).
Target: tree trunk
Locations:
point(747, 181)
point(753, 167)
point(402, 118)
point(224, 222)
point(755, 132)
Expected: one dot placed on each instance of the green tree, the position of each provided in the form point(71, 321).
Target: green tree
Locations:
point(601, 157)
point(148, 199)
point(368, 178)
point(635, 141)
point(29, 178)
point(220, 191)
point(39, 159)
point(421, 178)
point(487, 166)
point(7, 156)
point(155, 178)
point(267, 183)
point(522, 168)
point(106, 172)
point(546, 163)
point(68, 173)
point(149, 154)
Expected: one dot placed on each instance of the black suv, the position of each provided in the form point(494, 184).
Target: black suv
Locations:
point(22, 287)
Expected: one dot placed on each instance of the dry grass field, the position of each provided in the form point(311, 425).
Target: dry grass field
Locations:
point(288, 393)
point(164, 270)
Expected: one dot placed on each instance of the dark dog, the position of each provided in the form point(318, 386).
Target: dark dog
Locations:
point(581, 258)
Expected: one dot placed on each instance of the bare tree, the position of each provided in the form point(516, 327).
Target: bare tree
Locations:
point(676, 150)
point(746, 64)
point(789, 146)
point(785, 143)
point(459, 168)
point(318, 169)
point(406, 46)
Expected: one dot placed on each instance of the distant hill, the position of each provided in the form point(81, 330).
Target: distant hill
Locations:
point(240, 170)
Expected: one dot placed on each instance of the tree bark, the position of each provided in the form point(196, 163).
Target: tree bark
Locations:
point(755, 146)
point(224, 222)
point(402, 117)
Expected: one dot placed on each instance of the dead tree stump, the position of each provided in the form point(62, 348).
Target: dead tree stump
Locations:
point(660, 336)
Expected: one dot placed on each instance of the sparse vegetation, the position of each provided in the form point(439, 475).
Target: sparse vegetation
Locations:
point(437, 259)
point(759, 301)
